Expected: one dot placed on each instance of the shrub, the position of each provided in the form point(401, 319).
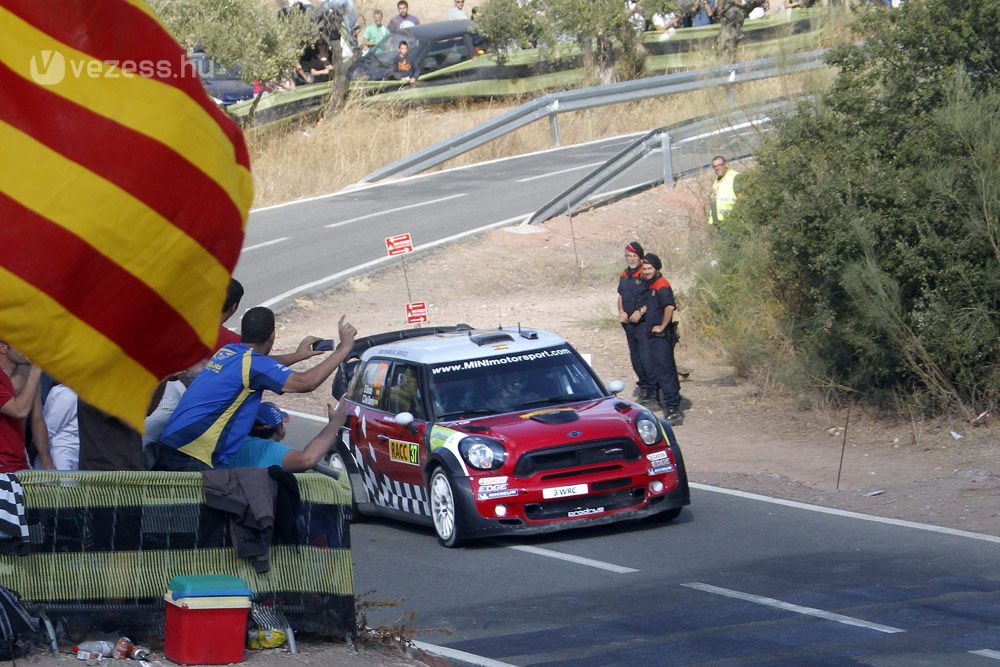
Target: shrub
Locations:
point(872, 215)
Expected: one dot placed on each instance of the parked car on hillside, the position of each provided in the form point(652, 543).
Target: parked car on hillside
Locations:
point(225, 85)
point(502, 431)
point(433, 46)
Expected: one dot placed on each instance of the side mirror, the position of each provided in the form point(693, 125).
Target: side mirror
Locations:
point(616, 386)
point(404, 418)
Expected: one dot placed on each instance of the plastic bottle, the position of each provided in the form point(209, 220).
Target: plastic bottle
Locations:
point(102, 647)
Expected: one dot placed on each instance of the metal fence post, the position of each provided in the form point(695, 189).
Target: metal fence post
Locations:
point(554, 121)
point(668, 162)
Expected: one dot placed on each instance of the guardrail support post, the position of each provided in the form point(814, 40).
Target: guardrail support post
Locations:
point(668, 162)
point(554, 122)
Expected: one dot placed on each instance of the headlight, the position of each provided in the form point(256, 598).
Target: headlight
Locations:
point(648, 428)
point(482, 453)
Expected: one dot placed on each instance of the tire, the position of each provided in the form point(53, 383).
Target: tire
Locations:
point(664, 517)
point(336, 462)
point(444, 511)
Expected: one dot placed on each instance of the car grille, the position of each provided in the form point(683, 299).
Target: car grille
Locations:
point(560, 509)
point(600, 454)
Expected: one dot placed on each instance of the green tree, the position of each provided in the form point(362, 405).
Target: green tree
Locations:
point(877, 207)
point(608, 40)
point(609, 37)
point(507, 25)
point(252, 34)
point(731, 15)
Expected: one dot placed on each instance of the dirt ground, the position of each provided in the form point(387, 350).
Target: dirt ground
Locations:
point(562, 276)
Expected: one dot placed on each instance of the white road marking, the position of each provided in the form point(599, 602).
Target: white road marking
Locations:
point(357, 187)
point(850, 515)
point(561, 171)
point(428, 202)
point(723, 130)
point(306, 415)
point(579, 560)
point(265, 243)
point(461, 656)
point(788, 606)
point(360, 268)
point(987, 653)
point(375, 262)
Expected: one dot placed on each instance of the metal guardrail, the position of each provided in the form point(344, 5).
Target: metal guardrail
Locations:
point(740, 145)
point(576, 100)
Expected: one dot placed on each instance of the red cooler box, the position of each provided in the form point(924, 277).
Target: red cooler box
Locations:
point(206, 619)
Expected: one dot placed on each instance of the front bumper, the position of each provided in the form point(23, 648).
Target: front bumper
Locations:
point(475, 525)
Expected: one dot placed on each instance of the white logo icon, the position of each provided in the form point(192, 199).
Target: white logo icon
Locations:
point(48, 68)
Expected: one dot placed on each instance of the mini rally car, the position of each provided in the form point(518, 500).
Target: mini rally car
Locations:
point(504, 431)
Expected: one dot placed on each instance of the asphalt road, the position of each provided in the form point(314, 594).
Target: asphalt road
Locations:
point(308, 245)
point(733, 581)
point(736, 580)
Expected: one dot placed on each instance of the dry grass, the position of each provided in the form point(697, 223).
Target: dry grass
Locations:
point(338, 152)
point(317, 159)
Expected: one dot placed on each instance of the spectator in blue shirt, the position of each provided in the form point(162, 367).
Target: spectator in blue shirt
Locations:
point(704, 13)
point(263, 448)
point(216, 413)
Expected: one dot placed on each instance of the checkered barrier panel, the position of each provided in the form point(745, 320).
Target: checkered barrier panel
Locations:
point(388, 492)
point(103, 545)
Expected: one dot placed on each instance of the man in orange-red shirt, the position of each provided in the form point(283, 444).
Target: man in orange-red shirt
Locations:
point(661, 331)
point(631, 291)
point(233, 297)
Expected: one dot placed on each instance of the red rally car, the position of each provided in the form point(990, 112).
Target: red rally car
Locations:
point(502, 431)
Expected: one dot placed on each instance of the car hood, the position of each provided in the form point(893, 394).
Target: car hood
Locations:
point(366, 63)
point(598, 419)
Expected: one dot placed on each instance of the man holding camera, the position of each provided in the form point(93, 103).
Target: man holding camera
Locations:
point(216, 413)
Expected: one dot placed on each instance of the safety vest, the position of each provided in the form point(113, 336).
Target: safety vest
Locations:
point(723, 197)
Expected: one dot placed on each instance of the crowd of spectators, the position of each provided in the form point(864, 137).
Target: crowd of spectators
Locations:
point(339, 27)
point(697, 13)
point(210, 415)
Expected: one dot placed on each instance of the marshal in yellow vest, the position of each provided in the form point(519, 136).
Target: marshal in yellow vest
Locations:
point(723, 197)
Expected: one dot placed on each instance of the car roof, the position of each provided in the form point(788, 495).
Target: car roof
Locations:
point(446, 347)
point(438, 29)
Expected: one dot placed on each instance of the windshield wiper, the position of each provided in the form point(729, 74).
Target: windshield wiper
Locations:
point(448, 416)
point(553, 399)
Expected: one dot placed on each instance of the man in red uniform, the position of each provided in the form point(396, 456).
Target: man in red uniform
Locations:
point(14, 407)
point(661, 332)
point(631, 292)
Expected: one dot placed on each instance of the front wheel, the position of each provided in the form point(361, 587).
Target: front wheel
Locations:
point(443, 509)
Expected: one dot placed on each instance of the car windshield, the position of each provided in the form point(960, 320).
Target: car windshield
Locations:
point(211, 70)
point(385, 52)
point(508, 383)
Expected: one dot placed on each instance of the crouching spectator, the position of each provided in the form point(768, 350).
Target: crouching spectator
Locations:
point(263, 448)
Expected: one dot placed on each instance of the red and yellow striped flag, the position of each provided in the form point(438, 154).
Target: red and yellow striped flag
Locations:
point(124, 195)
